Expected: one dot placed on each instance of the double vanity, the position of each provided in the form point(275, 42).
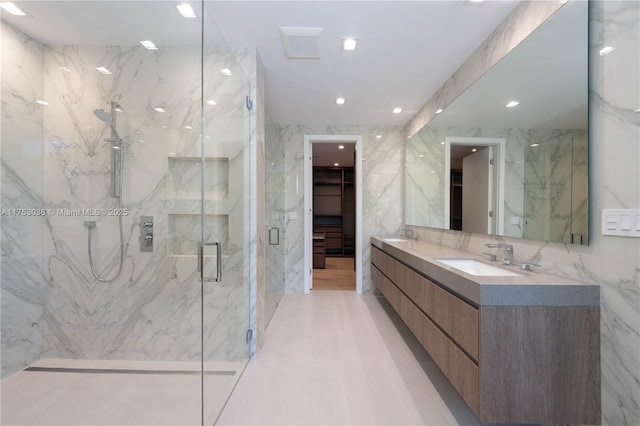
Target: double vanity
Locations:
point(518, 346)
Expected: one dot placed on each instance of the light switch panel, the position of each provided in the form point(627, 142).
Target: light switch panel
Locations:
point(621, 222)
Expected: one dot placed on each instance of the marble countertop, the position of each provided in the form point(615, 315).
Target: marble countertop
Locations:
point(528, 288)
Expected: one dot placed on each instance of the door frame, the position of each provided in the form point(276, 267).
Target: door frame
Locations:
point(499, 146)
point(309, 140)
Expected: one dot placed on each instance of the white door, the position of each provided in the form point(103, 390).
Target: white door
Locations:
point(477, 193)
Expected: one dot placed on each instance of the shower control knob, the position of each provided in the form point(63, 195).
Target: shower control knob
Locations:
point(146, 233)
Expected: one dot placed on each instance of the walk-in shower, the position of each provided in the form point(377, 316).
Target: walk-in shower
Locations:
point(155, 345)
point(117, 178)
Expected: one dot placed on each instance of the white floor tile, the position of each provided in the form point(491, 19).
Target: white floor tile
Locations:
point(337, 358)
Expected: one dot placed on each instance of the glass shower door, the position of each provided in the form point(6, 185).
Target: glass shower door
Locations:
point(224, 249)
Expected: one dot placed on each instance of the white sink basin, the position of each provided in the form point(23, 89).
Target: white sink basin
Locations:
point(475, 267)
point(395, 240)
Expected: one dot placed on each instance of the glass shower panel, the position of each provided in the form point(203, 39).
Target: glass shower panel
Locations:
point(275, 183)
point(225, 237)
point(83, 101)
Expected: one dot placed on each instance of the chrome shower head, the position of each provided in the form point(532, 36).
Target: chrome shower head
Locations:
point(106, 116)
point(103, 115)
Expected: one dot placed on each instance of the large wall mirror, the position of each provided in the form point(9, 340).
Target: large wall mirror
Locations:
point(509, 156)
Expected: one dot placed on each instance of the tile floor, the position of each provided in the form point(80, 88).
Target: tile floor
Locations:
point(123, 396)
point(329, 358)
point(338, 358)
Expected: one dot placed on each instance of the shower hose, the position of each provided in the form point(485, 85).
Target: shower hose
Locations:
point(90, 227)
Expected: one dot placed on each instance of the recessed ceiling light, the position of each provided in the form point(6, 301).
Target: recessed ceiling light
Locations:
point(148, 44)
point(636, 110)
point(421, 155)
point(159, 109)
point(340, 146)
point(397, 110)
point(340, 101)
point(188, 127)
point(186, 10)
point(43, 103)
point(226, 71)
point(439, 110)
point(12, 8)
point(103, 70)
point(336, 164)
point(512, 104)
point(476, 1)
point(534, 145)
point(606, 49)
point(441, 143)
point(378, 136)
point(474, 150)
point(349, 44)
point(211, 102)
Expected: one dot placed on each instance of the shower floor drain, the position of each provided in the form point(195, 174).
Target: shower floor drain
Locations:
point(125, 371)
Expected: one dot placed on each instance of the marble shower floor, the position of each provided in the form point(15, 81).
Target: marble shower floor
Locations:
point(339, 358)
point(129, 393)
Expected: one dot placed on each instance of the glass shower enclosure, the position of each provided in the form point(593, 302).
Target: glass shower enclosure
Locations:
point(125, 291)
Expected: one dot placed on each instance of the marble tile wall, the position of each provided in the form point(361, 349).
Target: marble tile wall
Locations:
point(152, 311)
point(614, 162)
point(22, 282)
point(382, 180)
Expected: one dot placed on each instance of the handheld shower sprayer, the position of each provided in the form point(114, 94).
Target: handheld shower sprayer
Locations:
point(117, 176)
point(108, 118)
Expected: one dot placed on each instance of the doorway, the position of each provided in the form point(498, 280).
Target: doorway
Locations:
point(474, 184)
point(333, 212)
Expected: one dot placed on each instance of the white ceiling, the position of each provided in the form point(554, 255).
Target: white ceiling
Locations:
point(407, 48)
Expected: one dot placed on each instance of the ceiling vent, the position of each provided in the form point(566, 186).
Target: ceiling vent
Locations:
point(301, 43)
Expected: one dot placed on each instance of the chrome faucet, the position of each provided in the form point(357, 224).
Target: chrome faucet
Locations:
point(507, 250)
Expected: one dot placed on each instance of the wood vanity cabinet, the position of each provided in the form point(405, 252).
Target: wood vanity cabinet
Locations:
point(510, 364)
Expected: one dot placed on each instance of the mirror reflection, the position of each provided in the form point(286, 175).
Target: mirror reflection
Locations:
point(510, 155)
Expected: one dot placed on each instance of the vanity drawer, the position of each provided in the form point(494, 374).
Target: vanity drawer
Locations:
point(392, 268)
point(461, 371)
point(457, 318)
point(377, 257)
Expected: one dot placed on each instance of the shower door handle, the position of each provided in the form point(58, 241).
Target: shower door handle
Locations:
point(274, 237)
point(218, 276)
